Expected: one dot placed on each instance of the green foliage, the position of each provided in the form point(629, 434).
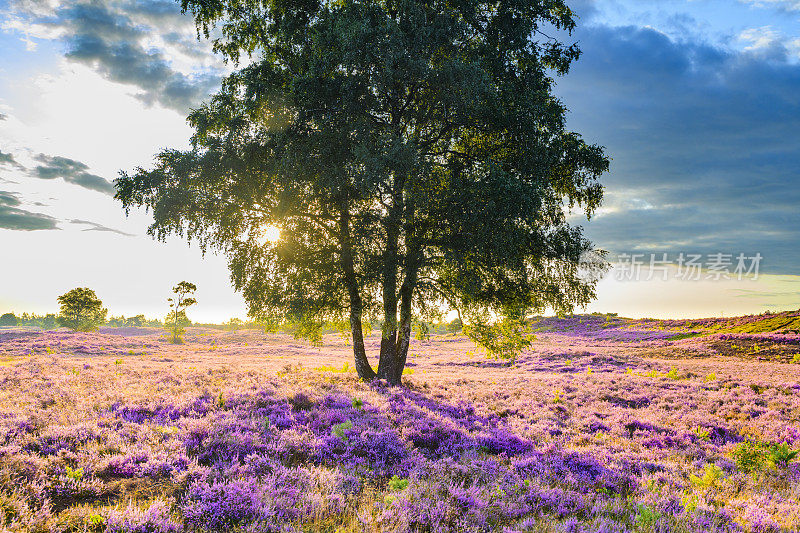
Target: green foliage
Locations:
point(81, 310)
point(309, 329)
point(74, 475)
point(752, 456)
point(749, 456)
point(269, 322)
point(712, 475)
point(422, 330)
point(339, 429)
point(137, 321)
point(9, 319)
point(454, 326)
point(234, 324)
point(702, 433)
point(176, 319)
point(504, 339)
point(780, 455)
point(358, 403)
point(397, 484)
point(413, 155)
point(646, 517)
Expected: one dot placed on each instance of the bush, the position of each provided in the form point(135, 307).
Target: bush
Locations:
point(8, 319)
point(749, 456)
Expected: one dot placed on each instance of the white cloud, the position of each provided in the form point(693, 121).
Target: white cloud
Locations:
point(760, 38)
point(784, 5)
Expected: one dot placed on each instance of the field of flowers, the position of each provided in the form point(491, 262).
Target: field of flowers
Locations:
point(600, 427)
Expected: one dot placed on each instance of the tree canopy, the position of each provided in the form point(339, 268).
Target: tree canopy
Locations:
point(411, 151)
point(176, 319)
point(81, 310)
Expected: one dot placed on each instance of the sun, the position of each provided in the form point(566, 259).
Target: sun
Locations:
point(270, 234)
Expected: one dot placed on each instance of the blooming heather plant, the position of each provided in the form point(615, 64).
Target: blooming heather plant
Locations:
point(244, 438)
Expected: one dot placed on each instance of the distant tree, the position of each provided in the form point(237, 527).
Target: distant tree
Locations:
point(9, 319)
point(81, 310)
point(48, 321)
point(412, 153)
point(235, 324)
point(177, 320)
point(136, 321)
point(116, 321)
point(455, 325)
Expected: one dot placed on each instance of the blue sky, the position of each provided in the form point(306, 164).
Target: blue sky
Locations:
point(697, 103)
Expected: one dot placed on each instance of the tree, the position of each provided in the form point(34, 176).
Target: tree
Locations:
point(48, 321)
point(8, 319)
point(234, 324)
point(176, 320)
point(81, 310)
point(411, 152)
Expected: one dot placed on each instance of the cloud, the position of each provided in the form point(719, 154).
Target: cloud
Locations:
point(71, 171)
point(3, 117)
point(782, 5)
point(584, 9)
point(704, 137)
point(135, 43)
point(14, 218)
point(94, 226)
point(8, 159)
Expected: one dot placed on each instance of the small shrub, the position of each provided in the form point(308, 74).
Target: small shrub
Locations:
point(646, 517)
point(780, 455)
point(749, 456)
point(339, 429)
point(711, 475)
point(397, 484)
point(74, 475)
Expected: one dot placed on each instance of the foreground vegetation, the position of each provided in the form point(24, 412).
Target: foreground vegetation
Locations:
point(123, 431)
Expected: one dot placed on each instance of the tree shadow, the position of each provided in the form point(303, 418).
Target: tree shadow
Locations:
point(478, 364)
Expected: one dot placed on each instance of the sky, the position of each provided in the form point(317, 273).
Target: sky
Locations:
point(696, 101)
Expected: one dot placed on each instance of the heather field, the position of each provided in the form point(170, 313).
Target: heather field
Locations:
point(605, 425)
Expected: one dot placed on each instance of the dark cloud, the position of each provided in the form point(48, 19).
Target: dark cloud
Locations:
point(14, 218)
point(72, 172)
point(705, 143)
point(584, 9)
point(3, 117)
point(94, 226)
point(114, 39)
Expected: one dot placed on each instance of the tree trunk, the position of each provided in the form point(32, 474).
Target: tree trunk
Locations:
point(404, 336)
point(363, 367)
point(387, 365)
point(401, 351)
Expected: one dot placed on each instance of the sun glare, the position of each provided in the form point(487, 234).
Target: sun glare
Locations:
point(270, 234)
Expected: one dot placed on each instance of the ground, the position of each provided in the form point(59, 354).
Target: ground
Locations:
point(605, 424)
